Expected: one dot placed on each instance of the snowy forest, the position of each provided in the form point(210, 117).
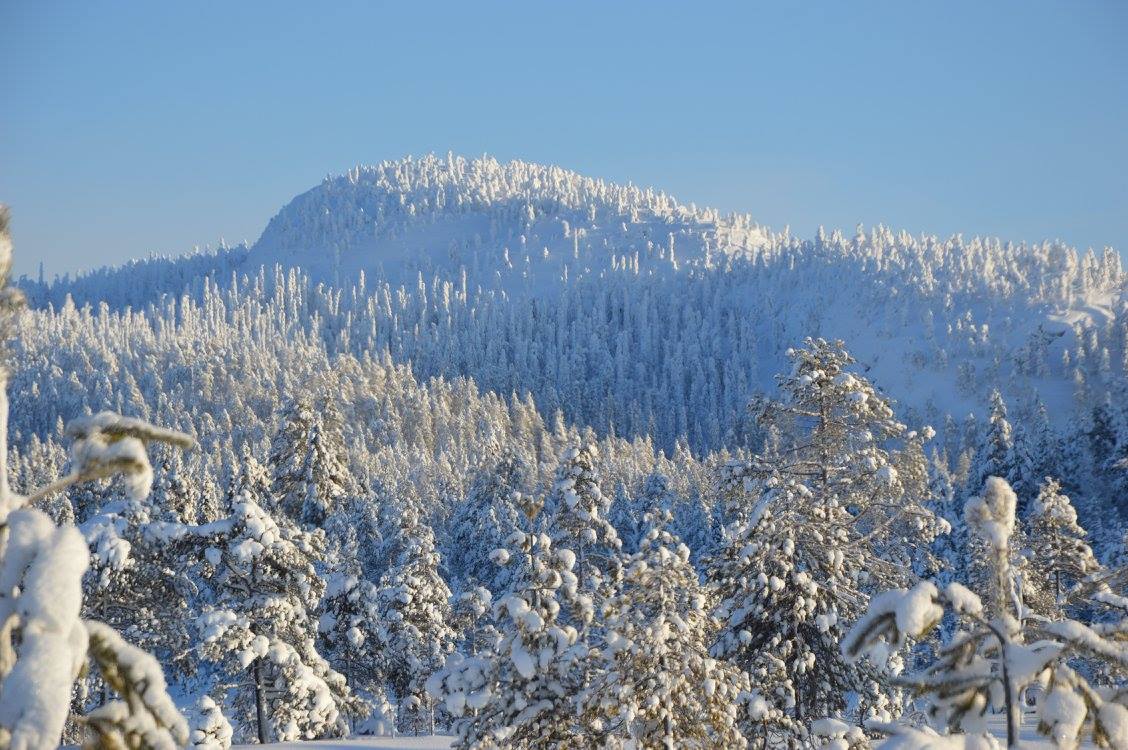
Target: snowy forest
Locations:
point(504, 453)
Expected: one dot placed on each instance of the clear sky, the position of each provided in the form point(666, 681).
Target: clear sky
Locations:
point(131, 128)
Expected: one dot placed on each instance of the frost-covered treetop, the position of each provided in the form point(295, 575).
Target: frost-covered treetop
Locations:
point(991, 514)
point(530, 209)
point(1053, 505)
point(378, 198)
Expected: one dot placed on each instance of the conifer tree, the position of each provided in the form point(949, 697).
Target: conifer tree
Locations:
point(173, 492)
point(414, 615)
point(1045, 453)
point(260, 631)
point(308, 459)
point(947, 547)
point(826, 519)
point(355, 535)
point(522, 692)
point(484, 520)
point(656, 684)
point(996, 457)
point(349, 640)
point(141, 581)
point(1059, 552)
point(575, 516)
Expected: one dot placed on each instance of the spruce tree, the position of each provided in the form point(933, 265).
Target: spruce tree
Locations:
point(996, 457)
point(656, 684)
point(834, 513)
point(308, 459)
point(347, 625)
point(522, 692)
point(1060, 554)
point(414, 614)
point(260, 631)
point(482, 522)
point(575, 516)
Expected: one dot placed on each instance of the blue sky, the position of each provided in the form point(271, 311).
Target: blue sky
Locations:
point(131, 128)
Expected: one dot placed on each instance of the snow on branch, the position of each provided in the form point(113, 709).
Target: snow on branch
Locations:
point(146, 716)
point(44, 643)
point(44, 564)
point(107, 444)
point(1000, 653)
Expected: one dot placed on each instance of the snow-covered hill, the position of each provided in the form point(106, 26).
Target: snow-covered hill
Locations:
point(631, 311)
point(520, 227)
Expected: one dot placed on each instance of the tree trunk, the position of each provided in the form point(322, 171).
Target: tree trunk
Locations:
point(1008, 694)
point(350, 719)
point(260, 703)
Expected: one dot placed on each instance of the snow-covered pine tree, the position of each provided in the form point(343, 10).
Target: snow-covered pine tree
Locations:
point(1059, 556)
point(657, 685)
point(627, 512)
point(483, 521)
point(654, 493)
point(996, 656)
point(308, 459)
point(1044, 448)
point(1101, 438)
point(347, 626)
point(1026, 481)
point(690, 519)
point(694, 523)
point(575, 516)
point(140, 582)
point(210, 729)
point(522, 692)
point(835, 513)
point(44, 643)
point(249, 477)
point(414, 620)
point(780, 602)
point(172, 492)
point(995, 457)
point(261, 632)
point(948, 548)
point(471, 621)
point(355, 536)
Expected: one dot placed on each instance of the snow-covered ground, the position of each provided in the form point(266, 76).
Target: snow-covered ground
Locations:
point(382, 743)
point(1030, 740)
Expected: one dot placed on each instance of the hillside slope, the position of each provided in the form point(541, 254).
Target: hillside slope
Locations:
point(631, 311)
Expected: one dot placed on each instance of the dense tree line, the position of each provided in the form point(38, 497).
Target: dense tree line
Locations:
point(556, 634)
point(554, 498)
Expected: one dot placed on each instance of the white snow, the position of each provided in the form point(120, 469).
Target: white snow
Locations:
point(1031, 740)
point(435, 742)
